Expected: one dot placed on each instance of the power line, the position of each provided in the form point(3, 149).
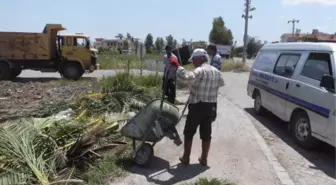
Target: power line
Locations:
point(246, 16)
point(294, 21)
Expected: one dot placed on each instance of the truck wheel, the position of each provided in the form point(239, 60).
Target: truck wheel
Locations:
point(258, 108)
point(301, 131)
point(5, 72)
point(16, 72)
point(72, 71)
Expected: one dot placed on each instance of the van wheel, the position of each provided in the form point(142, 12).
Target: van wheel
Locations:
point(258, 108)
point(16, 72)
point(72, 71)
point(301, 131)
point(5, 72)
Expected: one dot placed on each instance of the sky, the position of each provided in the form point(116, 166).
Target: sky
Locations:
point(184, 19)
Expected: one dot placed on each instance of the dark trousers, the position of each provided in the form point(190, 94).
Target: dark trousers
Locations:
point(170, 90)
point(200, 114)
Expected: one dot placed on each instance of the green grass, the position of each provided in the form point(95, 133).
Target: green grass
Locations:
point(213, 181)
point(110, 167)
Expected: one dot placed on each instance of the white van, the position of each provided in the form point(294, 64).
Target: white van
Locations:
point(296, 82)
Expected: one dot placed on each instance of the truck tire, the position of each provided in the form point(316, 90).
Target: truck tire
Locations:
point(5, 72)
point(72, 71)
point(16, 72)
point(301, 130)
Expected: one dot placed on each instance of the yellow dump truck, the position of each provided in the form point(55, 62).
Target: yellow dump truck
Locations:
point(71, 55)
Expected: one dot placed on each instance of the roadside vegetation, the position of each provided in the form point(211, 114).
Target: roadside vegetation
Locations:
point(133, 62)
point(80, 146)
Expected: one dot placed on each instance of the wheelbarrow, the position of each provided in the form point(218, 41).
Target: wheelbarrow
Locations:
point(156, 120)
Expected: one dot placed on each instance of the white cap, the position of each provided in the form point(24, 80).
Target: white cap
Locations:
point(198, 52)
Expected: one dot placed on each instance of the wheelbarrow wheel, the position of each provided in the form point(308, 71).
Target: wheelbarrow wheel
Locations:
point(144, 154)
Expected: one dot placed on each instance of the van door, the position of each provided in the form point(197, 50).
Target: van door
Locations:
point(284, 70)
point(307, 93)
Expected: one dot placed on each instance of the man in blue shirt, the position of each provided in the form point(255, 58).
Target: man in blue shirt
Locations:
point(216, 60)
point(170, 72)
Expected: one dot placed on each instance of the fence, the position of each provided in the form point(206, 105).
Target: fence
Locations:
point(130, 62)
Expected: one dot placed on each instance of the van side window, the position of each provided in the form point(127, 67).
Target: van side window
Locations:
point(286, 64)
point(317, 65)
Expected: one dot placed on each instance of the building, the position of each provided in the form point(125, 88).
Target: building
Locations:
point(315, 36)
point(107, 43)
point(119, 43)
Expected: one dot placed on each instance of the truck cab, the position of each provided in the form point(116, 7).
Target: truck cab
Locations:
point(77, 47)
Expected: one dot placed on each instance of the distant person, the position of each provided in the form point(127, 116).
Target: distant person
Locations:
point(170, 71)
point(204, 82)
point(216, 59)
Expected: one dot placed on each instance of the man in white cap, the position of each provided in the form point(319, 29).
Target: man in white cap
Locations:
point(205, 82)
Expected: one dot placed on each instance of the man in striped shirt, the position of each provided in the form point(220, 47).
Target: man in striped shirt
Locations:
point(205, 82)
point(216, 60)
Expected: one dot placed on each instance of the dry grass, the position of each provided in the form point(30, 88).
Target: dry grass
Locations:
point(109, 61)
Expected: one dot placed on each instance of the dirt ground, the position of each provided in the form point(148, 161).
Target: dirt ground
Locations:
point(33, 97)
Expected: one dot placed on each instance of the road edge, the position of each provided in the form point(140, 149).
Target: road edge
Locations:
point(280, 171)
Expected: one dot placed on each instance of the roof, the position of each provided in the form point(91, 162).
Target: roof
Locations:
point(75, 35)
point(301, 46)
point(304, 36)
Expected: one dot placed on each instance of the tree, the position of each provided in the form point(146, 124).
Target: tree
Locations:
point(199, 44)
point(149, 43)
point(125, 45)
point(159, 44)
point(237, 51)
point(253, 47)
point(120, 36)
point(175, 43)
point(129, 36)
point(170, 40)
point(136, 45)
point(184, 42)
point(219, 34)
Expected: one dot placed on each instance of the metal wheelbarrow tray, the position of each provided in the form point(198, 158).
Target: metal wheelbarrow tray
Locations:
point(150, 125)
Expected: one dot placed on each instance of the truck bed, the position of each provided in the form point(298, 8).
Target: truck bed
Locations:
point(24, 46)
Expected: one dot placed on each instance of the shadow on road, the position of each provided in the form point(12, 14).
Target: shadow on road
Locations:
point(46, 79)
point(323, 157)
point(161, 167)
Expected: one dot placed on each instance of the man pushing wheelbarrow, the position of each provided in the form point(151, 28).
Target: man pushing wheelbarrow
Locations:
point(160, 117)
point(205, 82)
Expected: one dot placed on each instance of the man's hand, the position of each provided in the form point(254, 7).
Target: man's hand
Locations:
point(174, 62)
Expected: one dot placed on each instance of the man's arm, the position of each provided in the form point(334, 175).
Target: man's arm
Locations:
point(221, 80)
point(186, 76)
point(165, 66)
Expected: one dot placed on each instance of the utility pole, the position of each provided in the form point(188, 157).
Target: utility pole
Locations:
point(246, 16)
point(293, 23)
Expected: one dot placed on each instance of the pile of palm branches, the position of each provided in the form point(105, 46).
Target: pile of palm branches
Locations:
point(49, 151)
